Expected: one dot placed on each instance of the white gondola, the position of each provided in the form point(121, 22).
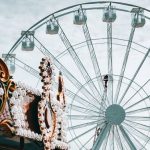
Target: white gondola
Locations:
point(52, 27)
point(80, 17)
point(10, 62)
point(109, 14)
point(27, 45)
point(28, 41)
point(12, 68)
point(138, 18)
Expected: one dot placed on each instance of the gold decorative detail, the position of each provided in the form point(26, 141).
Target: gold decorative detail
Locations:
point(8, 127)
point(6, 84)
point(4, 73)
point(60, 94)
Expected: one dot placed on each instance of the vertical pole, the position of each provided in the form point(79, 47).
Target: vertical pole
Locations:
point(21, 143)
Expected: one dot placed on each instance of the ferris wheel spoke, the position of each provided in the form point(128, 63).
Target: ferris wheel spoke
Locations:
point(93, 57)
point(68, 75)
point(138, 69)
point(80, 100)
point(110, 65)
point(118, 139)
point(98, 143)
point(77, 61)
point(77, 98)
point(85, 117)
point(105, 143)
point(140, 101)
point(84, 110)
point(84, 144)
point(135, 93)
point(138, 118)
point(105, 102)
point(124, 65)
point(85, 124)
point(139, 145)
point(77, 137)
point(138, 133)
point(112, 138)
point(26, 67)
point(138, 110)
point(127, 138)
point(139, 125)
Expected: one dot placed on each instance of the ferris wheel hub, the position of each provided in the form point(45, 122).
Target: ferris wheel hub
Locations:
point(115, 114)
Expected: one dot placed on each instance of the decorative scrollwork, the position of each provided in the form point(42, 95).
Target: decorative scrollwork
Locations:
point(47, 117)
point(7, 86)
point(35, 115)
point(4, 73)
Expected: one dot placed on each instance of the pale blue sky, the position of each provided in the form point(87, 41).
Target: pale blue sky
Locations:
point(17, 15)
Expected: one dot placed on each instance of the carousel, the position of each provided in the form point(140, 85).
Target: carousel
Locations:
point(29, 118)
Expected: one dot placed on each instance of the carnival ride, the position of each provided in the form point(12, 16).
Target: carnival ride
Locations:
point(26, 112)
point(105, 68)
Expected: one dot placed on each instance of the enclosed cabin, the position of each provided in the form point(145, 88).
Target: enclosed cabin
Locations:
point(52, 27)
point(10, 62)
point(28, 40)
point(109, 14)
point(80, 17)
point(138, 18)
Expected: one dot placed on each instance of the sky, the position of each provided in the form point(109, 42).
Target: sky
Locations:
point(18, 15)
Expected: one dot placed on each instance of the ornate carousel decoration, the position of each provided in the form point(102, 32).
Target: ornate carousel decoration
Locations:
point(29, 113)
point(7, 86)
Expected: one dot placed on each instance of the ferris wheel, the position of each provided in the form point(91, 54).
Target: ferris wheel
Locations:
point(102, 50)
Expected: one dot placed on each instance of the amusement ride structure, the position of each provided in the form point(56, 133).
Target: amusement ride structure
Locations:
point(100, 51)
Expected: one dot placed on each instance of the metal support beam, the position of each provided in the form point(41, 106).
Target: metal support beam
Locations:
point(110, 64)
point(26, 67)
point(68, 75)
point(21, 143)
point(138, 102)
point(127, 138)
point(138, 118)
point(83, 125)
point(93, 57)
point(78, 62)
point(80, 135)
point(81, 148)
point(131, 81)
point(112, 138)
point(118, 139)
point(83, 110)
point(141, 88)
point(86, 117)
point(137, 132)
point(140, 110)
point(77, 98)
point(124, 64)
point(101, 137)
point(105, 101)
point(139, 125)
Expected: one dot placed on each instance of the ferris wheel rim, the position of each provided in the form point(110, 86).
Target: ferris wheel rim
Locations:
point(51, 14)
